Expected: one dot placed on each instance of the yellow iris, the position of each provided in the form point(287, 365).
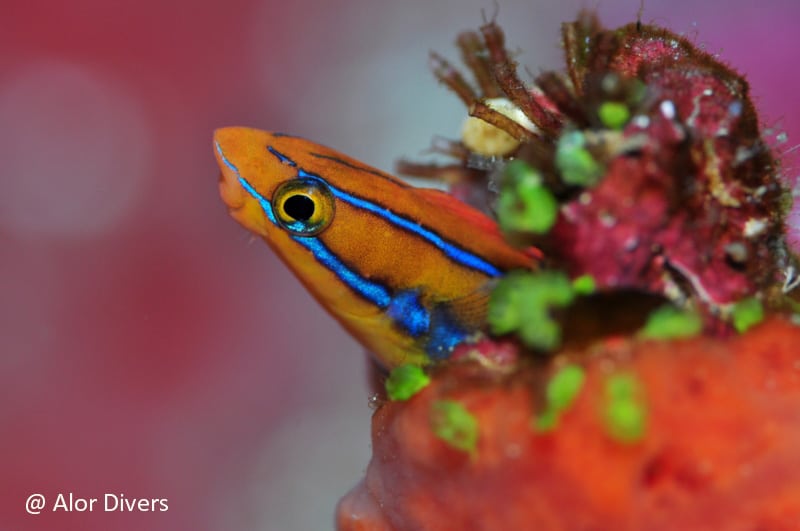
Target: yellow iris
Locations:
point(304, 206)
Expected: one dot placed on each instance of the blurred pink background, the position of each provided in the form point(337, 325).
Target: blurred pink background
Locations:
point(149, 346)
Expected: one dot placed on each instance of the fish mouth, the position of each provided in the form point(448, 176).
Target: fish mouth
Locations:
point(230, 189)
point(241, 205)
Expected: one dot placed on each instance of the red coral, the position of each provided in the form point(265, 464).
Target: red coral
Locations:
point(719, 452)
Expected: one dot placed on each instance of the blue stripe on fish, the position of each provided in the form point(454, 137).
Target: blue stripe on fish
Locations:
point(375, 293)
point(458, 255)
point(281, 157)
point(225, 160)
point(404, 308)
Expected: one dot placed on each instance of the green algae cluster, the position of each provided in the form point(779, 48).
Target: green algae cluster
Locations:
point(406, 381)
point(525, 203)
point(575, 162)
point(522, 303)
point(562, 390)
point(455, 425)
point(624, 412)
point(669, 322)
point(614, 114)
point(746, 314)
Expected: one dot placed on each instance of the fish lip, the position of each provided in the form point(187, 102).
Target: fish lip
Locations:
point(242, 207)
point(230, 189)
point(231, 193)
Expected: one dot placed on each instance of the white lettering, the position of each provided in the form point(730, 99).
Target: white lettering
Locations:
point(118, 502)
point(108, 498)
point(73, 503)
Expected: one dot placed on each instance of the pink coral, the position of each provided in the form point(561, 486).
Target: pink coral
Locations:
point(653, 150)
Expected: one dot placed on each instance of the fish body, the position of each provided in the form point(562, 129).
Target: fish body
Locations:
point(405, 270)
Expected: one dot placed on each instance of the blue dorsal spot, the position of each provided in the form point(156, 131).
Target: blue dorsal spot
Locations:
point(281, 157)
point(408, 312)
point(445, 334)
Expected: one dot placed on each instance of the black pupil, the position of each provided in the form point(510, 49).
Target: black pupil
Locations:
point(299, 207)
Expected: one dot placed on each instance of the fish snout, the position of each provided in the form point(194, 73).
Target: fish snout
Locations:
point(230, 189)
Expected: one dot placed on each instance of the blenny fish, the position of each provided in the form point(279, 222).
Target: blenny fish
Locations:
point(405, 270)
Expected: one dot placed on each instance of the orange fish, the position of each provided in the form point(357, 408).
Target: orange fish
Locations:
point(405, 270)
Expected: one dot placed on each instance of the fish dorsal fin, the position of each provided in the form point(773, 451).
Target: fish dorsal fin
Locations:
point(443, 200)
point(448, 202)
point(470, 309)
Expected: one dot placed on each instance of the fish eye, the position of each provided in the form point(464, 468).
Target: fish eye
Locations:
point(303, 206)
point(299, 207)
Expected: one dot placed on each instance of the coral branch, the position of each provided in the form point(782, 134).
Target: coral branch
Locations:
point(505, 72)
point(451, 77)
point(480, 110)
point(475, 56)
